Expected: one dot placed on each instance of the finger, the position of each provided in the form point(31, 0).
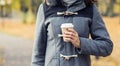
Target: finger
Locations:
point(68, 36)
point(69, 39)
point(70, 33)
point(71, 30)
point(73, 39)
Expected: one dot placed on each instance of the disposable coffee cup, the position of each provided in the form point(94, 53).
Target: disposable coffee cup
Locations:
point(65, 27)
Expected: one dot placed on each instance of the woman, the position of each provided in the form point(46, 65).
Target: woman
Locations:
point(51, 50)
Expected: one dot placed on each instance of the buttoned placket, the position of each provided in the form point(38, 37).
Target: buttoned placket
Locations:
point(67, 57)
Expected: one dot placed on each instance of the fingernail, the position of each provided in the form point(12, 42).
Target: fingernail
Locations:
point(64, 32)
point(66, 28)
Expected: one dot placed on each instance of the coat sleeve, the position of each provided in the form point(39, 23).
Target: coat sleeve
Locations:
point(100, 44)
point(39, 48)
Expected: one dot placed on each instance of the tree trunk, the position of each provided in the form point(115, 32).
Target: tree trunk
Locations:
point(110, 8)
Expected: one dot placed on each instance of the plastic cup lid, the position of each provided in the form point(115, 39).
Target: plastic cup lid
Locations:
point(67, 25)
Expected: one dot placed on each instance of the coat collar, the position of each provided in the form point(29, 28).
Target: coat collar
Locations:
point(74, 7)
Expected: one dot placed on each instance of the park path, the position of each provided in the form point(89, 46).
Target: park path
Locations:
point(16, 51)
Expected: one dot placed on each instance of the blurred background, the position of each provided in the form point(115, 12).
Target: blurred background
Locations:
point(17, 26)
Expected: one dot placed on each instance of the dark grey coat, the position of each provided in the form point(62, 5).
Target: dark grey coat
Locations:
point(48, 46)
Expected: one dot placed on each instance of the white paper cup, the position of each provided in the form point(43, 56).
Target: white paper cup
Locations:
point(64, 28)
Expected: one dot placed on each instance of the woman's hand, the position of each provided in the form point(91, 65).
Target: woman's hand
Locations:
point(72, 36)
